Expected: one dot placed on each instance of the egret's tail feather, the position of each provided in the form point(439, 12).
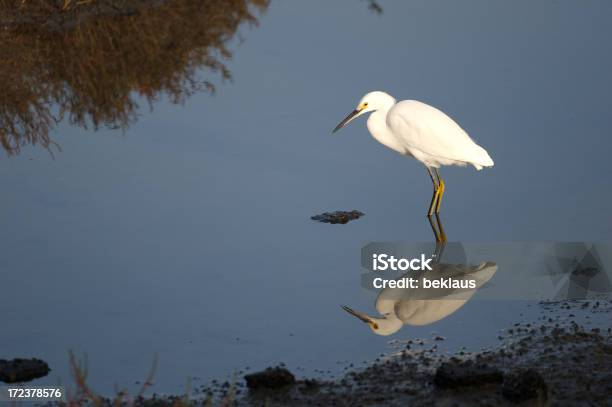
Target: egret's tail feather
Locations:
point(482, 159)
point(488, 162)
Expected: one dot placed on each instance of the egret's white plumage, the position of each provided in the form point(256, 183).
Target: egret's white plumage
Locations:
point(424, 306)
point(434, 138)
point(417, 129)
point(413, 128)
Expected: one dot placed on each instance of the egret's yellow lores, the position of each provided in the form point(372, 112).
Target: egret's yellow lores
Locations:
point(413, 128)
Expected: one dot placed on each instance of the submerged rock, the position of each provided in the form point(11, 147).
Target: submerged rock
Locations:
point(22, 370)
point(338, 216)
point(271, 378)
point(524, 385)
point(468, 373)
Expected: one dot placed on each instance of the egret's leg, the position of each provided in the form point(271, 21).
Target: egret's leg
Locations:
point(432, 206)
point(434, 229)
point(441, 228)
point(441, 188)
point(434, 197)
point(438, 251)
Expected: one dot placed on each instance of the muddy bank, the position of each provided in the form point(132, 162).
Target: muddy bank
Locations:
point(553, 365)
point(555, 361)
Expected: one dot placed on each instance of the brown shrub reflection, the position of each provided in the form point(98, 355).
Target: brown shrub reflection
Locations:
point(90, 61)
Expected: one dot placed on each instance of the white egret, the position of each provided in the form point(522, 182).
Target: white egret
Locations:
point(413, 128)
point(424, 306)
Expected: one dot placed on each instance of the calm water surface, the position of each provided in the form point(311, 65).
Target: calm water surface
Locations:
point(189, 236)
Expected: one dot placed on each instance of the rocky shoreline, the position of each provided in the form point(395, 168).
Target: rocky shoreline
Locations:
point(552, 365)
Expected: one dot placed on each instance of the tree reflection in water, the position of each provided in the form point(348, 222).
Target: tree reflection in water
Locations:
point(92, 62)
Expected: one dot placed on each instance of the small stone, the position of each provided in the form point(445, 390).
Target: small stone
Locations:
point(271, 378)
point(468, 373)
point(341, 217)
point(525, 385)
point(22, 370)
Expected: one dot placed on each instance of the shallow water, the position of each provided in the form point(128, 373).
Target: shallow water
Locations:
point(190, 237)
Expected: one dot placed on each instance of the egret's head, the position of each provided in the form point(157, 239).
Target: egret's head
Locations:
point(371, 102)
point(380, 326)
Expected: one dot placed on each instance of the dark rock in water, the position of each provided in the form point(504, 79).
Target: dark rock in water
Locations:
point(338, 216)
point(310, 384)
point(22, 370)
point(271, 378)
point(468, 373)
point(525, 385)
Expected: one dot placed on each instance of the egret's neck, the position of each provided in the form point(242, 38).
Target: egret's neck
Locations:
point(377, 125)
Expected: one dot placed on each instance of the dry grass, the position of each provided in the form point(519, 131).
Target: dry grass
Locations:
point(84, 395)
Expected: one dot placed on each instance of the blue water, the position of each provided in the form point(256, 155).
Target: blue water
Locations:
point(189, 236)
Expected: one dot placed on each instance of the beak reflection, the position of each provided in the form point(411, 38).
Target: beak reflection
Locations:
point(359, 315)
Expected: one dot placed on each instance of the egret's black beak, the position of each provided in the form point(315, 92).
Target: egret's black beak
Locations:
point(346, 120)
point(362, 317)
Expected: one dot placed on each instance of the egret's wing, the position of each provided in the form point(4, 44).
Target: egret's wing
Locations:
point(480, 274)
point(425, 312)
point(425, 128)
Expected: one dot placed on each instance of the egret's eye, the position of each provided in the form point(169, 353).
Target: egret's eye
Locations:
point(365, 104)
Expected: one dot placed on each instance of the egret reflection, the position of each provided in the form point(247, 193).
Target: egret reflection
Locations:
point(426, 304)
point(93, 62)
